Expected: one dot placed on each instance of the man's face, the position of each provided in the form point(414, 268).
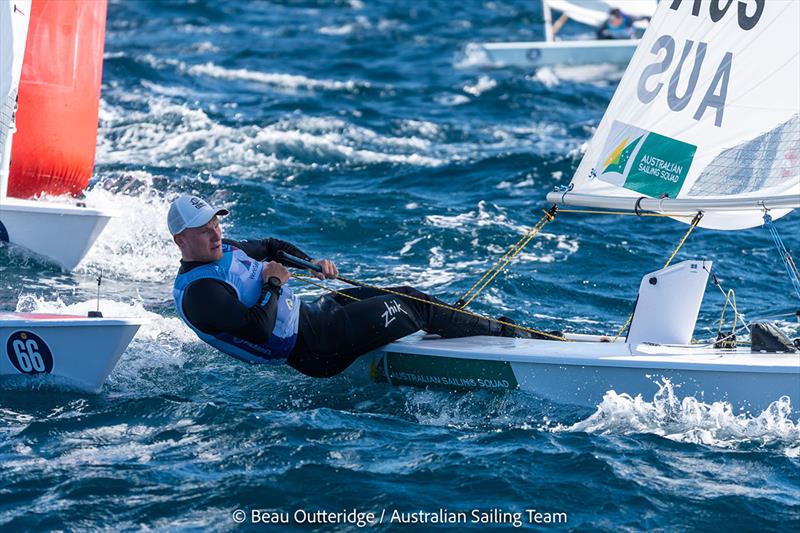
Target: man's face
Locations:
point(201, 244)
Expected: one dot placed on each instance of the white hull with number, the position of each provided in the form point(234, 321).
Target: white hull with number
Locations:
point(72, 351)
point(582, 372)
point(537, 54)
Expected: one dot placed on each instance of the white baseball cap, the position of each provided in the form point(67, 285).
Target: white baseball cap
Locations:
point(190, 212)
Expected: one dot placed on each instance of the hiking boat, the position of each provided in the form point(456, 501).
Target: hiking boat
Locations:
point(554, 53)
point(703, 131)
point(49, 96)
point(65, 350)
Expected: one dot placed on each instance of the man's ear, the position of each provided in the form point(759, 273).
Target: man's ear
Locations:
point(178, 239)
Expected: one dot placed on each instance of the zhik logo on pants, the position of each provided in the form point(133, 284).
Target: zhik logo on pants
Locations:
point(392, 308)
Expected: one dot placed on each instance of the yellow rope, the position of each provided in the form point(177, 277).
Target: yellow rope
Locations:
point(693, 225)
point(303, 277)
point(729, 298)
point(505, 259)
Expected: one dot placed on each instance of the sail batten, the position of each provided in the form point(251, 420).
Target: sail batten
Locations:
point(707, 117)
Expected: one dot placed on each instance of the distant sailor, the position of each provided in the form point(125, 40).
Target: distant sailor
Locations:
point(617, 26)
point(235, 296)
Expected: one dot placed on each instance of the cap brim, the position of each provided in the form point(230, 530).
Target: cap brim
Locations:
point(202, 221)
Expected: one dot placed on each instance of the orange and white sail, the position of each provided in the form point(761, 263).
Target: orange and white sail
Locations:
point(59, 91)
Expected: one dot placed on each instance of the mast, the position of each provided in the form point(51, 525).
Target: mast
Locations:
point(14, 17)
point(548, 21)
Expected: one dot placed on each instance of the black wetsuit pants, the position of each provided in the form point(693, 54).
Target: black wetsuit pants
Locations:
point(335, 330)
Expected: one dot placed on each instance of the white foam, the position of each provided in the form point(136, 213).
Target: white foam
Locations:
point(346, 29)
point(473, 56)
point(690, 420)
point(546, 77)
point(486, 215)
point(290, 82)
point(408, 245)
point(450, 99)
point(425, 128)
point(136, 244)
point(484, 83)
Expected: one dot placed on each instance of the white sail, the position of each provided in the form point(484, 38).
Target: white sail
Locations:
point(707, 115)
point(595, 12)
point(14, 18)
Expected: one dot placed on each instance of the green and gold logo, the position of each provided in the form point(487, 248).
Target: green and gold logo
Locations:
point(644, 161)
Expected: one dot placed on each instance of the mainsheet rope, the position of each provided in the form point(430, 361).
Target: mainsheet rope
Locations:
point(304, 279)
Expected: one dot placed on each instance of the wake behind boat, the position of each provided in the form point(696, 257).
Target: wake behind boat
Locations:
point(703, 132)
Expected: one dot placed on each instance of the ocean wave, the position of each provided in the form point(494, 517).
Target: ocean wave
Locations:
point(172, 134)
point(290, 82)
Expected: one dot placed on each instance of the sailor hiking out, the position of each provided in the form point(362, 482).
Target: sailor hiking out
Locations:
point(235, 296)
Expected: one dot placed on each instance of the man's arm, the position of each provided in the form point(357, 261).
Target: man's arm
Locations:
point(267, 249)
point(212, 307)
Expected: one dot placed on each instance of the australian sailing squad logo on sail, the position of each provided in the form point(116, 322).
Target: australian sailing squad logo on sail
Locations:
point(643, 161)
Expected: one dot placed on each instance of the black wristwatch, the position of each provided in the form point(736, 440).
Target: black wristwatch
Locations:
point(274, 283)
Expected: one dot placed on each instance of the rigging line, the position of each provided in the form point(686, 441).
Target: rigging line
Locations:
point(302, 277)
point(716, 283)
point(501, 263)
point(788, 261)
point(695, 222)
point(729, 297)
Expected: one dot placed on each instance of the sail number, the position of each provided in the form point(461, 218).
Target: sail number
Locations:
point(671, 56)
point(716, 11)
point(29, 353)
point(715, 94)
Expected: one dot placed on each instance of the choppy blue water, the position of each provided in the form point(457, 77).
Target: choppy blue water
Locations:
point(371, 133)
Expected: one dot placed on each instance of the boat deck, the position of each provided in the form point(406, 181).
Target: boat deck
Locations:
point(695, 357)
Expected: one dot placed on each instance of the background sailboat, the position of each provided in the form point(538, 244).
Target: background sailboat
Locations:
point(552, 52)
point(69, 350)
point(704, 128)
point(48, 124)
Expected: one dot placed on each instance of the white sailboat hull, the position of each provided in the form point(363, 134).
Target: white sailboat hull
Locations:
point(62, 233)
point(72, 351)
point(559, 53)
point(581, 373)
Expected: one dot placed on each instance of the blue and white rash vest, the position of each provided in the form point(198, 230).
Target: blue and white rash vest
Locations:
point(243, 274)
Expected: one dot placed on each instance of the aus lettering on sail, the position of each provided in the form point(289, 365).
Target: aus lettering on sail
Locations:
point(689, 61)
